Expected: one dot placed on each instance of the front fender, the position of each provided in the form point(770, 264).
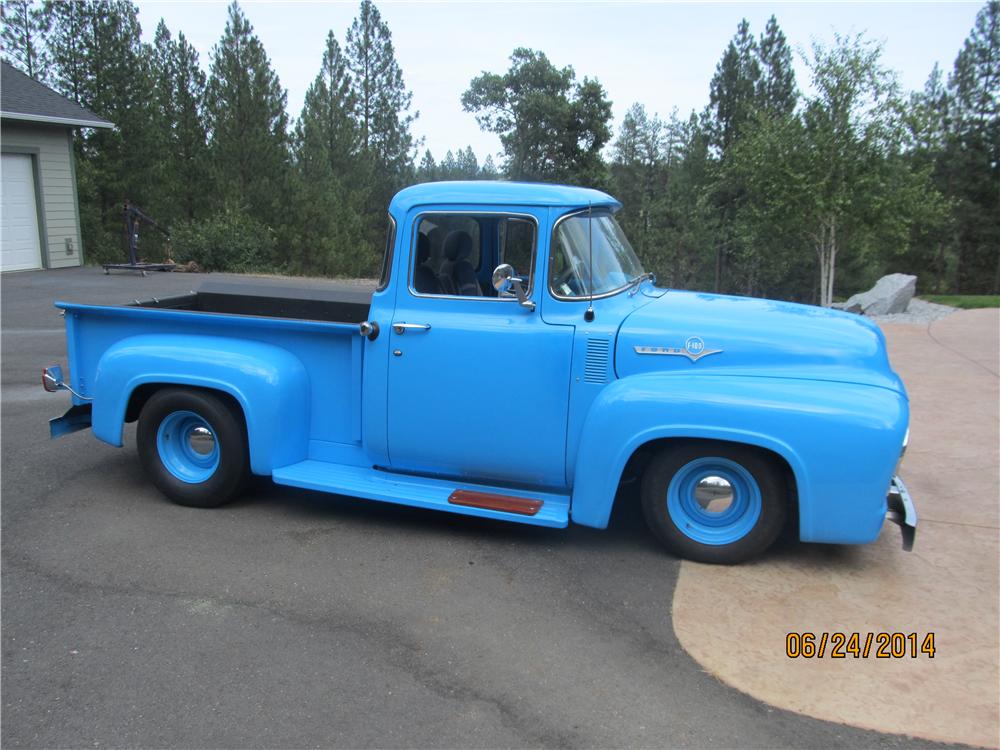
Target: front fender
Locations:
point(269, 383)
point(840, 440)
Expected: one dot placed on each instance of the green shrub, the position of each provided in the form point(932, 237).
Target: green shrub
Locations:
point(102, 246)
point(229, 241)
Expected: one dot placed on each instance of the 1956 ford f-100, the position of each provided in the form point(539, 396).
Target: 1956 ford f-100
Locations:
point(515, 362)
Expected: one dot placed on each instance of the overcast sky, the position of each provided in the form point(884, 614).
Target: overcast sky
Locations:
point(660, 54)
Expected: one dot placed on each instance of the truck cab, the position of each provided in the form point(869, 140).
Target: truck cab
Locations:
point(515, 362)
point(480, 380)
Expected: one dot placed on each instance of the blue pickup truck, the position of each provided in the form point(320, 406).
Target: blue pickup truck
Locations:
point(515, 362)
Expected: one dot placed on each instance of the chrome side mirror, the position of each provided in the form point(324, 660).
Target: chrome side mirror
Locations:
point(504, 280)
point(502, 275)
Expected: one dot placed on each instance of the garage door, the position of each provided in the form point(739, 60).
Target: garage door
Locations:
point(19, 246)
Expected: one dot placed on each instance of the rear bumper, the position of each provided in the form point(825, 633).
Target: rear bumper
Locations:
point(902, 511)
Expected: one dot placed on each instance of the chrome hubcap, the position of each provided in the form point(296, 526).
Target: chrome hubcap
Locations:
point(714, 494)
point(201, 440)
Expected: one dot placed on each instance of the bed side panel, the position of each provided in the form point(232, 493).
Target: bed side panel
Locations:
point(330, 354)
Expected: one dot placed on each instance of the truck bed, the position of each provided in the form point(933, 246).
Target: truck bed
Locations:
point(305, 340)
point(270, 300)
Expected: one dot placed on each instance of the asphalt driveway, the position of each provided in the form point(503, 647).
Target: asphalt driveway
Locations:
point(296, 619)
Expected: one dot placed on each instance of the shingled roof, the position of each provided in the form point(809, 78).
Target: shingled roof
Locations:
point(24, 98)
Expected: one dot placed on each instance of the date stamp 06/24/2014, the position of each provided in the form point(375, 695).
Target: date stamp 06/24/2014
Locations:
point(837, 645)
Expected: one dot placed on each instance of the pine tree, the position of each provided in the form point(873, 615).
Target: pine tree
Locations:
point(24, 27)
point(733, 89)
point(976, 78)
point(489, 170)
point(99, 61)
point(461, 164)
point(116, 63)
point(776, 93)
point(468, 164)
point(330, 241)
point(162, 73)
point(448, 169)
point(382, 113)
point(326, 134)
point(685, 223)
point(190, 135)
point(733, 107)
point(69, 41)
point(179, 127)
point(662, 172)
point(427, 171)
point(637, 168)
point(161, 60)
point(753, 82)
point(974, 88)
point(382, 102)
point(247, 122)
point(929, 133)
point(928, 118)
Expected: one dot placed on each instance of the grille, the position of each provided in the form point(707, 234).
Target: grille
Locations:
point(596, 368)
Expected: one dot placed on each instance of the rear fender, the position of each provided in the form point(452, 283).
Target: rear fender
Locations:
point(840, 440)
point(269, 383)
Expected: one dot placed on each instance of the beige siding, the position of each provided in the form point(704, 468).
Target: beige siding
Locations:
point(57, 189)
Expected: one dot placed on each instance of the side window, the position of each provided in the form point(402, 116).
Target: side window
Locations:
point(390, 241)
point(448, 255)
point(455, 254)
point(517, 247)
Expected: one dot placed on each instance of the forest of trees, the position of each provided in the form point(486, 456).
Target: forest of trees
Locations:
point(778, 188)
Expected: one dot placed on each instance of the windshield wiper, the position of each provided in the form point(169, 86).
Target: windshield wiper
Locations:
point(635, 283)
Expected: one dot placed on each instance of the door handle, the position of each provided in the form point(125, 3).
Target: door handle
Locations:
point(402, 328)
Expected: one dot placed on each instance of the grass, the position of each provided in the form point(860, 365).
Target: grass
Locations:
point(964, 301)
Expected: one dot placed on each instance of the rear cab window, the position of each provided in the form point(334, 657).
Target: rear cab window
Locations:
point(390, 241)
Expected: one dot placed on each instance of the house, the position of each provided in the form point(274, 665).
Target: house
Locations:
point(39, 208)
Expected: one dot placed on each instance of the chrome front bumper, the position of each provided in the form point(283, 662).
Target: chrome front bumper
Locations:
point(901, 511)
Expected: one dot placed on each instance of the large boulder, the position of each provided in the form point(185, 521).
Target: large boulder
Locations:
point(891, 294)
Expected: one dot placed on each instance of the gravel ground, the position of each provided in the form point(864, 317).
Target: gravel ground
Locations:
point(918, 312)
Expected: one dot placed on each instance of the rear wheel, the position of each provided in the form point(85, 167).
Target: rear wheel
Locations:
point(714, 502)
point(193, 447)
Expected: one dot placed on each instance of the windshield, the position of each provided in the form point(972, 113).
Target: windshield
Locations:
point(614, 260)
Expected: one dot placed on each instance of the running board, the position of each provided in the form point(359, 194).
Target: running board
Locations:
point(466, 498)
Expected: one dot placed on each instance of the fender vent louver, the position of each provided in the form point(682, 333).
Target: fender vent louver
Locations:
point(596, 368)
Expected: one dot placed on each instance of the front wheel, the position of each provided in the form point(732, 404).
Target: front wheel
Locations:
point(714, 502)
point(193, 447)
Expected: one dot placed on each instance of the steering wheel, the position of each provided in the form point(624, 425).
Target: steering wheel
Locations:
point(563, 279)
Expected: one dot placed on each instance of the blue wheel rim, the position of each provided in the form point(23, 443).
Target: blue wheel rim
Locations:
point(173, 444)
point(714, 527)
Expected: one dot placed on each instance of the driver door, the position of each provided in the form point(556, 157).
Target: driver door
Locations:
point(478, 384)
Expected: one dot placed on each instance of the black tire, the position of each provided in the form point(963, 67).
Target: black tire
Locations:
point(675, 522)
point(226, 478)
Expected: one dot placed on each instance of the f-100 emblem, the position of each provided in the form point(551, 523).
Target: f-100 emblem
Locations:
point(694, 349)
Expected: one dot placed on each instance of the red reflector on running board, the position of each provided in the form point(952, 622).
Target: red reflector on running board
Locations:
point(506, 503)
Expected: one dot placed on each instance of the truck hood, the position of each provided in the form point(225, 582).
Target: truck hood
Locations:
point(710, 334)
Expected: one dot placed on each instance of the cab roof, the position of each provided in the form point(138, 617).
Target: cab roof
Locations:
point(492, 193)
